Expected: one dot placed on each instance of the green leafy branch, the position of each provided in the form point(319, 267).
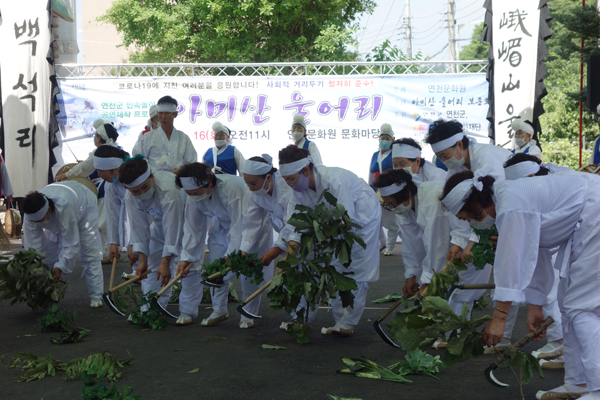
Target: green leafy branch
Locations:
point(250, 266)
point(151, 319)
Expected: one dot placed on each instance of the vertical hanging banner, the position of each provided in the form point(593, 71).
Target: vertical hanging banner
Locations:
point(516, 26)
point(26, 91)
point(343, 113)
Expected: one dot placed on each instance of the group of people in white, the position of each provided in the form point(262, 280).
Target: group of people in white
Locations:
point(166, 208)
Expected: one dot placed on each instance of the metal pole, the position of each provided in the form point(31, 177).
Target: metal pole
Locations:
point(408, 31)
point(451, 34)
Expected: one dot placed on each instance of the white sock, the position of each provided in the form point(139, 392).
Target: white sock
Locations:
point(218, 313)
point(185, 316)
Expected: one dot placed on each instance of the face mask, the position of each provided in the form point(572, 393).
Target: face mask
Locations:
point(297, 135)
point(114, 180)
point(453, 162)
point(302, 184)
point(220, 143)
point(487, 222)
point(520, 141)
point(200, 199)
point(384, 144)
point(402, 209)
point(409, 169)
point(147, 195)
point(263, 191)
point(41, 224)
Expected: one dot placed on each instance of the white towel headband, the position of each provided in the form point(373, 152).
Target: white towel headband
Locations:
point(101, 130)
point(393, 188)
point(447, 143)
point(189, 183)
point(167, 107)
point(293, 167)
point(41, 213)
point(108, 163)
point(257, 167)
point(140, 179)
point(405, 151)
point(521, 170)
point(455, 200)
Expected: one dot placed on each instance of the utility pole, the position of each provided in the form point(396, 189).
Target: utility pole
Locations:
point(451, 32)
point(408, 31)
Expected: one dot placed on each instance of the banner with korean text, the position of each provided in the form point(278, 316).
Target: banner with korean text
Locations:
point(343, 113)
point(26, 92)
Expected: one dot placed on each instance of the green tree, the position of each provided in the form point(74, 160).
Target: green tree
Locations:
point(476, 50)
point(211, 31)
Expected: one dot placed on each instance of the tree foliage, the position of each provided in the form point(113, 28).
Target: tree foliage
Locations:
point(476, 50)
point(211, 31)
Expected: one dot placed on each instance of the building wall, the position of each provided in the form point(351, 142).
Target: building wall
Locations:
point(100, 40)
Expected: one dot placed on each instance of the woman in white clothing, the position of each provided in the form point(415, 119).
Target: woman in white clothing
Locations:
point(219, 197)
point(406, 155)
point(524, 142)
point(300, 139)
point(542, 212)
point(308, 182)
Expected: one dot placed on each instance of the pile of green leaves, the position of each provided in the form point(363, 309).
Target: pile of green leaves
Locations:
point(103, 365)
point(250, 266)
point(389, 298)
point(327, 236)
point(95, 389)
point(25, 278)
point(151, 319)
point(126, 297)
point(440, 281)
point(417, 363)
point(483, 251)
point(73, 336)
point(54, 320)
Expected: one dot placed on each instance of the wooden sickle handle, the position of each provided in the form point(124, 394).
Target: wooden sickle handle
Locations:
point(122, 285)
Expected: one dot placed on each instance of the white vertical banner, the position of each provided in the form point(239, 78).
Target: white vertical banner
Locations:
point(25, 37)
point(515, 41)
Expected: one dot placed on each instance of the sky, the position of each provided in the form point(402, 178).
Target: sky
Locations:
point(429, 27)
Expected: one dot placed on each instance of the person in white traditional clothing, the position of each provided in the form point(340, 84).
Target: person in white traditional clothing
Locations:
point(221, 198)
point(299, 136)
point(308, 182)
point(157, 207)
point(61, 221)
point(542, 212)
point(229, 159)
point(382, 161)
point(523, 165)
point(6, 189)
point(269, 196)
point(107, 161)
point(524, 142)
point(107, 135)
point(152, 124)
point(167, 148)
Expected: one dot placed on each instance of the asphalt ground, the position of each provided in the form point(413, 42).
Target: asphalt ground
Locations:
point(232, 363)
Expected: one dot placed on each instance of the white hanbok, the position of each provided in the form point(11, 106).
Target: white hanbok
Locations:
point(117, 224)
point(225, 210)
point(5, 186)
point(530, 148)
point(313, 150)
point(157, 227)
point(72, 230)
point(547, 212)
point(389, 220)
point(165, 154)
point(364, 209)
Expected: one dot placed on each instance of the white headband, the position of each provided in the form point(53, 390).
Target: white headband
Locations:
point(447, 143)
point(294, 167)
point(521, 170)
point(102, 132)
point(455, 200)
point(107, 163)
point(189, 183)
point(257, 167)
point(41, 213)
point(405, 151)
point(140, 179)
point(153, 112)
point(167, 107)
point(393, 188)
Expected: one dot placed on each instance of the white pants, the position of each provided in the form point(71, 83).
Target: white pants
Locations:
point(102, 227)
point(154, 260)
point(468, 297)
point(389, 221)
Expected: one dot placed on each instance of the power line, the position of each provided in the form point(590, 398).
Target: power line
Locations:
point(436, 25)
point(476, 1)
point(365, 30)
point(386, 17)
point(432, 33)
point(476, 11)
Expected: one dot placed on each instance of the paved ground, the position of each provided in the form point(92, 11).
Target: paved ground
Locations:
point(233, 364)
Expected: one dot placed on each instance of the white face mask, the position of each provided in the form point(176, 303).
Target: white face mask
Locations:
point(147, 195)
point(520, 141)
point(487, 222)
point(453, 162)
point(220, 143)
point(263, 191)
point(297, 135)
point(402, 209)
point(409, 168)
point(200, 199)
point(41, 224)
